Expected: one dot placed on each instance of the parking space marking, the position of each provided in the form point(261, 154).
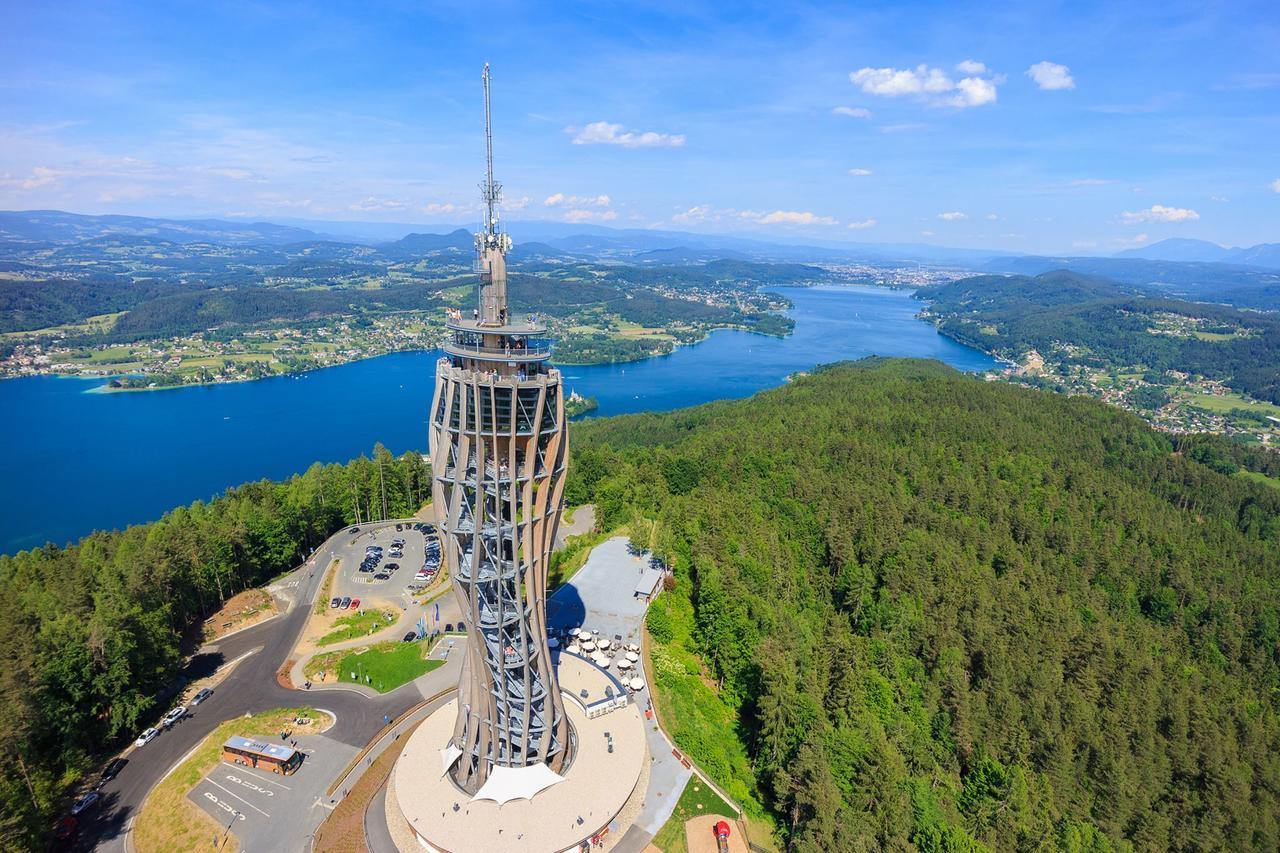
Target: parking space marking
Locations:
point(238, 797)
point(254, 774)
point(226, 807)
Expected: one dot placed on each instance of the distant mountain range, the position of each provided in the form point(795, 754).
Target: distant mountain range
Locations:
point(52, 227)
point(1183, 249)
point(1199, 281)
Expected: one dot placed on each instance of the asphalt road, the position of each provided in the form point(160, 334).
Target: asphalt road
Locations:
point(251, 688)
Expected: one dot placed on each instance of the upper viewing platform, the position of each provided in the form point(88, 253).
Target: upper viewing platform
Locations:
point(530, 326)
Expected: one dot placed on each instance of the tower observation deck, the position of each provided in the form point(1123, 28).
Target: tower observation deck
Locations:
point(499, 452)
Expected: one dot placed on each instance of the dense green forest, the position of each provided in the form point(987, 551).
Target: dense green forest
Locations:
point(914, 610)
point(90, 634)
point(1110, 324)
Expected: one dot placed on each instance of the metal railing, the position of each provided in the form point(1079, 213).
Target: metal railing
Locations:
point(498, 353)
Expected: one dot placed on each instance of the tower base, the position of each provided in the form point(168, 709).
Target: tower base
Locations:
point(595, 788)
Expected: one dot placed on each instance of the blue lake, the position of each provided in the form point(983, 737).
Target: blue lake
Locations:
point(74, 461)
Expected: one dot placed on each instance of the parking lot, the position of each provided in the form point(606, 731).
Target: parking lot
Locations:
point(265, 809)
point(370, 585)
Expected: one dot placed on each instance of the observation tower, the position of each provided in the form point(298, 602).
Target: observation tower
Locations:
point(499, 451)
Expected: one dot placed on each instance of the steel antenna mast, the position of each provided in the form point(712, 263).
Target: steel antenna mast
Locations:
point(492, 191)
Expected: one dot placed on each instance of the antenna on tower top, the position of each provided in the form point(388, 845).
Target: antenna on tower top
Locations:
point(492, 190)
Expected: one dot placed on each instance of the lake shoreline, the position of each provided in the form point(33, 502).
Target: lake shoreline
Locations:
point(82, 461)
point(107, 378)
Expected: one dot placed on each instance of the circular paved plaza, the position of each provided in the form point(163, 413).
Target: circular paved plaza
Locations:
point(595, 788)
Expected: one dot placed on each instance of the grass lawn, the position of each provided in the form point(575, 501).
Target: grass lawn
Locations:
point(1259, 477)
point(356, 625)
point(1218, 336)
point(388, 665)
point(695, 716)
point(696, 799)
point(322, 600)
point(168, 820)
point(1227, 402)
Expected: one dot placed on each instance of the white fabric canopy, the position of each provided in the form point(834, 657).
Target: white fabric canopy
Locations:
point(448, 755)
point(624, 664)
point(575, 648)
point(637, 684)
point(633, 657)
point(517, 783)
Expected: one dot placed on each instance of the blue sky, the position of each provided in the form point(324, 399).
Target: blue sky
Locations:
point(1061, 127)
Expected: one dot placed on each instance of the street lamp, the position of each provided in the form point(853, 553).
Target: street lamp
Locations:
point(234, 815)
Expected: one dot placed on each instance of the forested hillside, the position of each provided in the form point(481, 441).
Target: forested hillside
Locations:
point(90, 634)
point(1109, 325)
point(914, 610)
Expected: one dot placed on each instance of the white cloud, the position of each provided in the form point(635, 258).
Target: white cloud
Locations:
point(372, 203)
point(953, 216)
point(1051, 75)
point(931, 85)
point(991, 217)
point(577, 200)
point(707, 213)
point(863, 225)
point(516, 203)
point(859, 173)
point(794, 217)
point(852, 112)
point(440, 208)
point(580, 215)
point(1223, 198)
point(1134, 241)
point(1159, 213)
point(605, 133)
point(697, 213)
point(926, 233)
point(41, 176)
point(1275, 185)
point(973, 92)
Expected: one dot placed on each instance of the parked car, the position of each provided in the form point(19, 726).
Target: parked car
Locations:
point(346, 602)
point(205, 693)
point(355, 604)
point(410, 637)
point(85, 803)
point(391, 567)
point(146, 737)
point(336, 602)
point(113, 768)
point(354, 530)
point(382, 576)
point(173, 716)
point(399, 527)
point(448, 626)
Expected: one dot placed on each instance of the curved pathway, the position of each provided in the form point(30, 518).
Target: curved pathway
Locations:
point(252, 687)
